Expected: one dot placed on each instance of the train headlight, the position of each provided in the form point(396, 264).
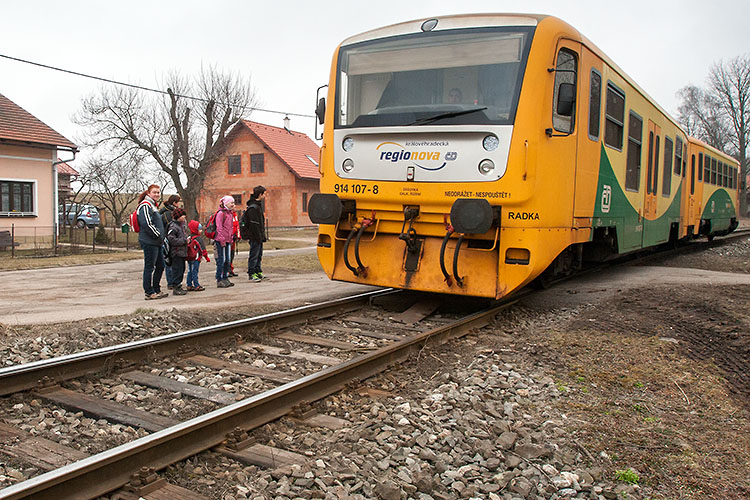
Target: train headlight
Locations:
point(348, 165)
point(486, 167)
point(348, 144)
point(490, 143)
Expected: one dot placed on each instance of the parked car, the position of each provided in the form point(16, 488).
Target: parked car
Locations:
point(79, 215)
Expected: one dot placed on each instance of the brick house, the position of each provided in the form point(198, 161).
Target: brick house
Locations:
point(283, 161)
point(28, 171)
point(65, 176)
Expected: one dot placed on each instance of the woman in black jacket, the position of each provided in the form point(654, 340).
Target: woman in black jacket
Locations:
point(151, 238)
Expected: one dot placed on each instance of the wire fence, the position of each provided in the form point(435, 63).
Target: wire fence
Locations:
point(20, 241)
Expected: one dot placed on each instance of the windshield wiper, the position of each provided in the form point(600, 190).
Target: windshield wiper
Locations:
point(450, 114)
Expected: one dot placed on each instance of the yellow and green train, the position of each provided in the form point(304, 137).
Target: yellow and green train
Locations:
point(474, 154)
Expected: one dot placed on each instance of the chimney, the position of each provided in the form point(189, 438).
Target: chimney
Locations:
point(286, 122)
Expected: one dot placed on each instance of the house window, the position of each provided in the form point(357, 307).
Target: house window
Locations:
point(615, 117)
point(256, 164)
point(234, 165)
point(17, 197)
point(237, 199)
point(304, 203)
point(635, 135)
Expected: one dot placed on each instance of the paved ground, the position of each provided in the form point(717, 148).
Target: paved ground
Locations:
point(81, 292)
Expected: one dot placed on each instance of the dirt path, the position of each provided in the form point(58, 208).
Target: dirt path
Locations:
point(82, 292)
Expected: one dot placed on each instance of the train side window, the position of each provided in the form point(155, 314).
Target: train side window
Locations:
point(726, 175)
point(700, 167)
point(713, 171)
point(656, 165)
point(595, 105)
point(707, 169)
point(635, 135)
point(692, 174)
point(564, 100)
point(678, 156)
point(615, 117)
point(666, 185)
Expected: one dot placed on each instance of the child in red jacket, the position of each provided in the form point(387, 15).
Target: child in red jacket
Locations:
point(196, 251)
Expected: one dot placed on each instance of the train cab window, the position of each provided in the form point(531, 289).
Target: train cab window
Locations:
point(666, 185)
point(700, 166)
point(564, 101)
point(692, 174)
point(678, 156)
point(635, 135)
point(615, 117)
point(595, 105)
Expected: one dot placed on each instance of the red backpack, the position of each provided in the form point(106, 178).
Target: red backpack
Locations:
point(134, 221)
point(210, 230)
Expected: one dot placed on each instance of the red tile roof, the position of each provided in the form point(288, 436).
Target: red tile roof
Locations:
point(65, 169)
point(17, 124)
point(292, 148)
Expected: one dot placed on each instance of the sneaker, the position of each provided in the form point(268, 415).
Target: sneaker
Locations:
point(152, 296)
point(262, 276)
point(170, 287)
point(222, 284)
point(255, 278)
point(233, 274)
point(178, 290)
point(229, 282)
point(162, 294)
point(198, 288)
point(190, 288)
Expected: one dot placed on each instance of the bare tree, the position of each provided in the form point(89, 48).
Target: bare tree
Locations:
point(702, 117)
point(182, 135)
point(114, 184)
point(730, 84)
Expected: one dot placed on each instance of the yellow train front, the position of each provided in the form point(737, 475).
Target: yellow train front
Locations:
point(454, 159)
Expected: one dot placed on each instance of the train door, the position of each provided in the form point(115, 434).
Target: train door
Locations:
point(652, 180)
point(692, 186)
point(589, 138)
point(562, 146)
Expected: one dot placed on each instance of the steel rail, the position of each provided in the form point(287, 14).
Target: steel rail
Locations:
point(106, 471)
point(31, 375)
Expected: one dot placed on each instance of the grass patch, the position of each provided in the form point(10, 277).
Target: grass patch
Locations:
point(304, 263)
point(31, 262)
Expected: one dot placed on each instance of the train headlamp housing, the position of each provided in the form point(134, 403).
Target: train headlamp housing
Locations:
point(348, 165)
point(490, 143)
point(324, 208)
point(486, 166)
point(471, 216)
point(347, 144)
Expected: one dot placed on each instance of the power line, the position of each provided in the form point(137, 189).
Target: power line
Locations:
point(139, 87)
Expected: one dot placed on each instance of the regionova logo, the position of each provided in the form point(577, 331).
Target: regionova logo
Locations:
point(395, 152)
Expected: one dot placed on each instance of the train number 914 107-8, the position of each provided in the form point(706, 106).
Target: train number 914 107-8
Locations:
point(355, 188)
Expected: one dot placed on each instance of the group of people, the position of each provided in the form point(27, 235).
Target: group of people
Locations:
point(170, 242)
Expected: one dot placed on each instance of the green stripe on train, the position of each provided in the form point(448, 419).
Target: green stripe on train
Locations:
point(613, 209)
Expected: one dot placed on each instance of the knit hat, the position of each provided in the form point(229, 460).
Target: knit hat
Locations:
point(178, 212)
point(225, 201)
point(194, 227)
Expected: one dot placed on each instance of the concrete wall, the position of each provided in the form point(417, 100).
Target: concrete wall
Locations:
point(28, 164)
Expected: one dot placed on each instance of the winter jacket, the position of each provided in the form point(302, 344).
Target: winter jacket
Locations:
point(178, 240)
point(150, 223)
point(254, 223)
point(224, 226)
point(196, 247)
point(166, 214)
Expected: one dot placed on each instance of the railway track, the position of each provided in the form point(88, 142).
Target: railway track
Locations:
point(292, 358)
point(277, 364)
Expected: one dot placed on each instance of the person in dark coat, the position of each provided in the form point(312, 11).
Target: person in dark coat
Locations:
point(178, 249)
point(174, 201)
point(253, 226)
point(151, 238)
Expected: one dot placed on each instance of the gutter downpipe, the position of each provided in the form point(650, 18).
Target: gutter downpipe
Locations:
point(55, 214)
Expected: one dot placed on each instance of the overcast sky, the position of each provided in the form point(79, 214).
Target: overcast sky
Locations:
point(286, 47)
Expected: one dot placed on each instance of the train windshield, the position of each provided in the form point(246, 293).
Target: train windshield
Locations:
point(457, 77)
